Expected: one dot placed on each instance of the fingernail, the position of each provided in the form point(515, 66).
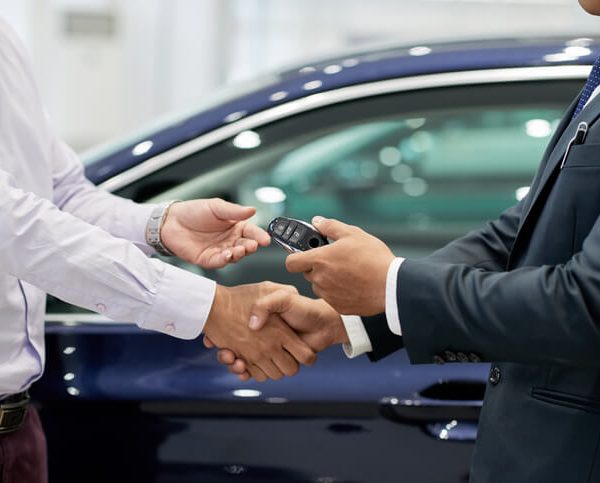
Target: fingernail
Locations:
point(227, 254)
point(317, 220)
point(254, 322)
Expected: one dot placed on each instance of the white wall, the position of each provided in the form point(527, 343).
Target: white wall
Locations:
point(164, 55)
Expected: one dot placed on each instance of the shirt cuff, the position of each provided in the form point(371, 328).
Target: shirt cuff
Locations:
point(181, 305)
point(359, 339)
point(391, 297)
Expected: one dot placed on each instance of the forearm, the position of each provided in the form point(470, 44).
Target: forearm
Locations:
point(76, 195)
point(84, 265)
point(537, 315)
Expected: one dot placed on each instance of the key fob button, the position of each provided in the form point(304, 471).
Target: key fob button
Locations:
point(280, 228)
point(298, 234)
point(288, 232)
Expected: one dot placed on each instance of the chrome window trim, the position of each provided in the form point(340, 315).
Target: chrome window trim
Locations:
point(429, 81)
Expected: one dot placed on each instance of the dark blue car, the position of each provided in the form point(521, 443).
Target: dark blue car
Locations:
point(417, 146)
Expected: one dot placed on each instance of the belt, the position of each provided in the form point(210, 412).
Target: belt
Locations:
point(13, 410)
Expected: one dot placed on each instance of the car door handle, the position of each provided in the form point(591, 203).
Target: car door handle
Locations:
point(447, 410)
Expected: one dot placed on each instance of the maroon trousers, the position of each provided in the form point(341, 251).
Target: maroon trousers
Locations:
point(23, 456)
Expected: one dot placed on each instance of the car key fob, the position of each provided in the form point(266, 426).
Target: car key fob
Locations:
point(295, 235)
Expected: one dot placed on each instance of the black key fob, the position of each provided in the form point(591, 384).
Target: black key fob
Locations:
point(295, 235)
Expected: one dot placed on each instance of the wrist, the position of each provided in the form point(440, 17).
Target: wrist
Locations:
point(219, 309)
point(333, 321)
point(155, 228)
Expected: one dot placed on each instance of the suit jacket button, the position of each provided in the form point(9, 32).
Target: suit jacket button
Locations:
point(438, 359)
point(450, 356)
point(495, 375)
point(474, 357)
point(462, 357)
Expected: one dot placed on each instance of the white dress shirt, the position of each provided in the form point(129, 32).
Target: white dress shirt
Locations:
point(357, 335)
point(61, 235)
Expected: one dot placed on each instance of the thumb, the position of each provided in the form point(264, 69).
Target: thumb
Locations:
point(224, 210)
point(331, 228)
point(275, 303)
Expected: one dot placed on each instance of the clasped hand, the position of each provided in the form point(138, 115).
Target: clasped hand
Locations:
point(350, 276)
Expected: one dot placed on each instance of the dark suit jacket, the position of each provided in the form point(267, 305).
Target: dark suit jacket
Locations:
point(524, 293)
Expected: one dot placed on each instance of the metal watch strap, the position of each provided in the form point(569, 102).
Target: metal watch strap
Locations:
point(155, 224)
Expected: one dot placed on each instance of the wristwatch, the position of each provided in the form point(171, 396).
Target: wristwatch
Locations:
point(154, 226)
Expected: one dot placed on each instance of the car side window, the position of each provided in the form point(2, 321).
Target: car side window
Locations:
point(415, 169)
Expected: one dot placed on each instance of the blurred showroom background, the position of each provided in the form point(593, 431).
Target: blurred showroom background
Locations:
point(106, 67)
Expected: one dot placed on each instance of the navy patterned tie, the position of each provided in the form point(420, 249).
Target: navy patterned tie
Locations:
point(593, 81)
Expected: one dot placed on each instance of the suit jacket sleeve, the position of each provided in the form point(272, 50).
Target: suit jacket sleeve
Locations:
point(487, 248)
point(503, 315)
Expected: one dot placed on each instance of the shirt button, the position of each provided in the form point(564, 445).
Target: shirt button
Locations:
point(495, 376)
point(170, 327)
point(100, 308)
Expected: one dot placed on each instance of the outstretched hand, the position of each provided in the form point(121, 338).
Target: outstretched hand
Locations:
point(211, 233)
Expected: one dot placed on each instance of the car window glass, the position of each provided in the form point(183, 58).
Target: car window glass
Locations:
point(416, 170)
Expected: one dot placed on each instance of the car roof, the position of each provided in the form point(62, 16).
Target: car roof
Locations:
point(326, 74)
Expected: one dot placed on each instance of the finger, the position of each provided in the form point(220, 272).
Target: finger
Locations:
point(270, 369)
point(331, 228)
point(286, 363)
point(225, 210)
point(250, 246)
point(257, 373)
point(301, 262)
point(245, 377)
point(300, 350)
point(276, 302)
point(254, 232)
point(209, 344)
point(238, 367)
point(237, 253)
point(226, 357)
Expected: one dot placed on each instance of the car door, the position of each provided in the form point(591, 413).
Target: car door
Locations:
point(416, 168)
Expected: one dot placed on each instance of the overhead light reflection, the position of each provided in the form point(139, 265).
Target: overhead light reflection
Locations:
point(350, 62)
point(415, 123)
point(390, 156)
point(235, 116)
point(521, 192)
point(419, 51)
point(72, 391)
point(247, 140)
point(332, 69)
point(270, 194)
point(578, 51)
point(142, 148)
point(312, 85)
point(278, 96)
point(538, 128)
point(247, 393)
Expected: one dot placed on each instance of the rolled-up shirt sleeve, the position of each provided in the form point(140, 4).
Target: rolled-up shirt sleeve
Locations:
point(84, 265)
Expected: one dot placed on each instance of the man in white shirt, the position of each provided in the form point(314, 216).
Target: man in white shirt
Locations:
point(61, 235)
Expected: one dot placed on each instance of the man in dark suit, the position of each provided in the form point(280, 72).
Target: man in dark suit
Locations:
point(522, 292)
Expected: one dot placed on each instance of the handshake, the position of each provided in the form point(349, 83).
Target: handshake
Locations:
point(268, 330)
